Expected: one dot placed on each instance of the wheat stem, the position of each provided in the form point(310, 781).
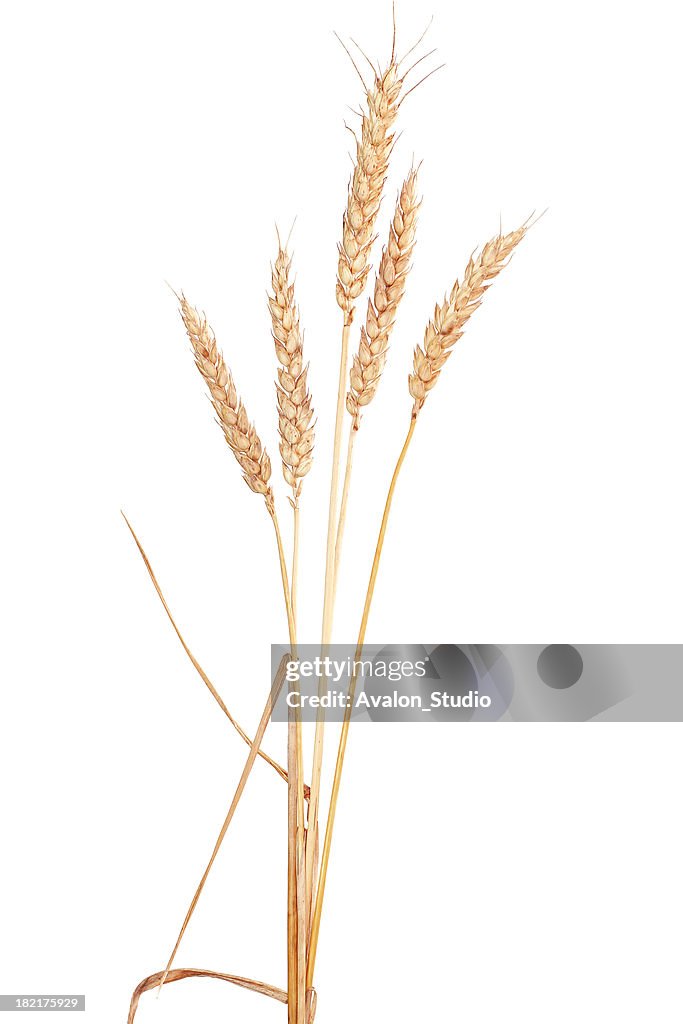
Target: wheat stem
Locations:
point(341, 750)
point(296, 896)
point(291, 624)
point(334, 487)
point(295, 558)
point(328, 609)
point(341, 523)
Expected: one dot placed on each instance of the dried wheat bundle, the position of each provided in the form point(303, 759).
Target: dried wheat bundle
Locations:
point(373, 148)
point(307, 864)
point(390, 284)
point(450, 318)
point(295, 411)
point(232, 416)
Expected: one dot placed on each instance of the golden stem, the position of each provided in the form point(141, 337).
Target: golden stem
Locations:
point(296, 889)
point(328, 601)
point(328, 608)
point(295, 558)
point(341, 750)
point(291, 623)
point(342, 509)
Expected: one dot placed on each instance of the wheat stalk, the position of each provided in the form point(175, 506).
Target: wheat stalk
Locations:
point(253, 460)
point(295, 415)
point(441, 334)
point(373, 149)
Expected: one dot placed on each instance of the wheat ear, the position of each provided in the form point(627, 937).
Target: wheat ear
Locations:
point(231, 415)
point(373, 149)
point(295, 410)
point(449, 320)
point(368, 363)
point(390, 284)
point(443, 331)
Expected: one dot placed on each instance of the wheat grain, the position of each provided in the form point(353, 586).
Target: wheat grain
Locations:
point(295, 411)
point(232, 416)
point(373, 149)
point(390, 284)
point(450, 318)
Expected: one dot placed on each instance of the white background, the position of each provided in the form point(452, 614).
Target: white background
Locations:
point(480, 874)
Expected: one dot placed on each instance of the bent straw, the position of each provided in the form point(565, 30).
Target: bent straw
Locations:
point(200, 671)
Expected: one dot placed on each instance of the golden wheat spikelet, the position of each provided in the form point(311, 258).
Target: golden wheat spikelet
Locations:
point(295, 411)
point(232, 416)
point(390, 284)
point(373, 149)
point(450, 318)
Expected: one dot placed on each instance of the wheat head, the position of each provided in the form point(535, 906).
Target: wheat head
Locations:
point(390, 284)
point(450, 318)
point(373, 149)
point(240, 434)
point(295, 411)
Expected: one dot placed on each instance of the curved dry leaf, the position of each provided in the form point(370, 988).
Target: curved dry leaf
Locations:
point(179, 974)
